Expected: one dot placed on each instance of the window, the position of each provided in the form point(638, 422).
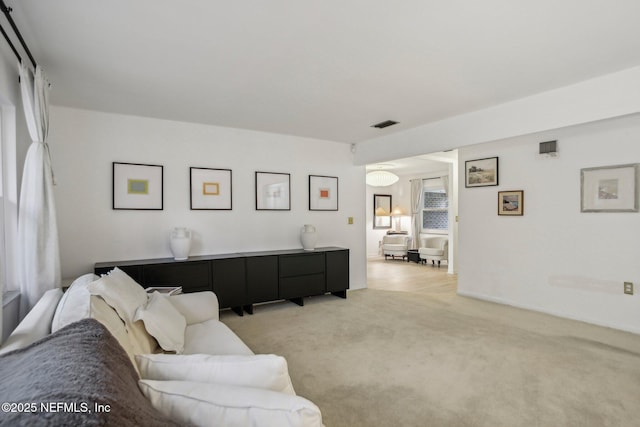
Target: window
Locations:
point(8, 198)
point(435, 207)
point(3, 257)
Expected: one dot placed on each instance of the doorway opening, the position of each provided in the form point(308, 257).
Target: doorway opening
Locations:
point(425, 201)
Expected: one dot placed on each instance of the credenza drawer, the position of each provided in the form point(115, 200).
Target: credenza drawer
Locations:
point(301, 286)
point(192, 276)
point(297, 265)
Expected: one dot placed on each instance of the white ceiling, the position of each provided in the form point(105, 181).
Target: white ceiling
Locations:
point(323, 69)
point(417, 165)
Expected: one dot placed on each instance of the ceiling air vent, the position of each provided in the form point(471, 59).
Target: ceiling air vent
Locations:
point(384, 124)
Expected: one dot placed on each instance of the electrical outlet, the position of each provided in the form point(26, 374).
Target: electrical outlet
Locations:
point(628, 288)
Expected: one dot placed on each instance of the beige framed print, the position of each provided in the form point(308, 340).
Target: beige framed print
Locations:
point(323, 193)
point(511, 203)
point(609, 189)
point(273, 191)
point(210, 189)
point(137, 186)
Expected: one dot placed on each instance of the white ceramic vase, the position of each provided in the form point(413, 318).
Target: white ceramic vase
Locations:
point(308, 237)
point(180, 243)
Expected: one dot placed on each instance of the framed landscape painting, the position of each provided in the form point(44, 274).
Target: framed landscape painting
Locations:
point(137, 186)
point(481, 172)
point(609, 189)
point(511, 203)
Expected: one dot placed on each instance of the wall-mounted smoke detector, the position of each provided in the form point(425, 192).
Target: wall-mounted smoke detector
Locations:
point(384, 124)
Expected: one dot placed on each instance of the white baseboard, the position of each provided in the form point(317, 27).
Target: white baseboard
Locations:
point(545, 311)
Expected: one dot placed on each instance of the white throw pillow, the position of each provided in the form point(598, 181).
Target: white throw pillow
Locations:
point(206, 404)
point(266, 371)
point(74, 304)
point(163, 322)
point(121, 292)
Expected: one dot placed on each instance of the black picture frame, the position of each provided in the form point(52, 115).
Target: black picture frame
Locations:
point(137, 186)
point(273, 191)
point(323, 193)
point(481, 172)
point(210, 189)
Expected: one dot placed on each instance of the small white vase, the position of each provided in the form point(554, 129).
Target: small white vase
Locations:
point(180, 242)
point(308, 237)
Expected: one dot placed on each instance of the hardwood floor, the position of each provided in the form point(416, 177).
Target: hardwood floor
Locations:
point(402, 276)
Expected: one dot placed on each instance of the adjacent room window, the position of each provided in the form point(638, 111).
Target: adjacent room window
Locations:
point(435, 208)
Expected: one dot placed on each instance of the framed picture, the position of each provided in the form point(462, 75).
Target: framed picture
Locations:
point(609, 189)
point(210, 189)
point(511, 203)
point(137, 186)
point(323, 193)
point(481, 172)
point(381, 211)
point(273, 191)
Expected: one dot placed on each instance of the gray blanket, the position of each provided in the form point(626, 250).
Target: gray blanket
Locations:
point(78, 376)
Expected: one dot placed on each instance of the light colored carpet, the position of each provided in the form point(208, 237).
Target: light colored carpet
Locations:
point(383, 358)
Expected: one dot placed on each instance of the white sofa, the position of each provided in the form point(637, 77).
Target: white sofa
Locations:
point(215, 380)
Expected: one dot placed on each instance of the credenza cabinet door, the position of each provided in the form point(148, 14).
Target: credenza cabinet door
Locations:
point(229, 281)
point(262, 279)
point(337, 271)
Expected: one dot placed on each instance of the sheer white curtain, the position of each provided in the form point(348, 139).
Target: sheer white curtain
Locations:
point(416, 196)
point(38, 250)
point(445, 184)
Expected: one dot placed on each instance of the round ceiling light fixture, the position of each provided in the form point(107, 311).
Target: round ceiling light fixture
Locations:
point(381, 178)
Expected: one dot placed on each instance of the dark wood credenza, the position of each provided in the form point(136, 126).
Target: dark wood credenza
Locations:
point(242, 279)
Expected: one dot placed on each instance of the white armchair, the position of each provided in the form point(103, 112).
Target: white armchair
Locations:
point(434, 249)
point(395, 245)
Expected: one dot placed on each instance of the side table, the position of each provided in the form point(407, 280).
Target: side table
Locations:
point(413, 255)
point(165, 290)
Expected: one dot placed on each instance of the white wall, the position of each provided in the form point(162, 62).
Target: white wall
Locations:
point(85, 143)
point(553, 259)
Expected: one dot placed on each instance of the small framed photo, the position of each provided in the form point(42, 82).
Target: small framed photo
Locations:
point(273, 191)
point(210, 189)
point(511, 203)
point(137, 186)
point(481, 172)
point(609, 189)
point(323, 193)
